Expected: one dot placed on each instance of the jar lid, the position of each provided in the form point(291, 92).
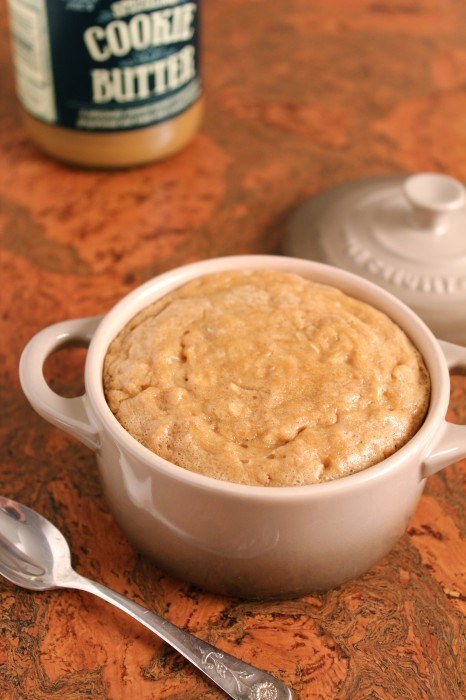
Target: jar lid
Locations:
point(405, 233)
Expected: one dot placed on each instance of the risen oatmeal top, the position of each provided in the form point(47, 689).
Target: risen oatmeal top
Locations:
point(266, 378)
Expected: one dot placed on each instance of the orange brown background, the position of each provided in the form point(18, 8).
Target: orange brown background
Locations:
point(300, 96)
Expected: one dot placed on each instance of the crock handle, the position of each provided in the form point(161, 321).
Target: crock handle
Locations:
point(68, 414)
point(450, 446)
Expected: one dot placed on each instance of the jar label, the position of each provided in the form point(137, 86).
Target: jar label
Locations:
point(100, 65)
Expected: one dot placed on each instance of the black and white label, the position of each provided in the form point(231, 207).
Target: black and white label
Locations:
point(96, 65)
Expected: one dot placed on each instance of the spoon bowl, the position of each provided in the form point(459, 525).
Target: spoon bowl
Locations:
point(33, 552)
point(35, 555)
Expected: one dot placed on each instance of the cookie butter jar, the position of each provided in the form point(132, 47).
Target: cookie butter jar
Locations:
point(108, 84)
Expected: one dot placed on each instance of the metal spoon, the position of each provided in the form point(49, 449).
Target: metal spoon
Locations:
point(35, 555)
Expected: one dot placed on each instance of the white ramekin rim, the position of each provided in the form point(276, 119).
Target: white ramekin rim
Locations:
point(156, 287)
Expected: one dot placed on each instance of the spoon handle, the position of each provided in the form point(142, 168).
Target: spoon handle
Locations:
point(237, 678)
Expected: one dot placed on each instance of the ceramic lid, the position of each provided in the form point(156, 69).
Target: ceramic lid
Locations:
point(405, 233)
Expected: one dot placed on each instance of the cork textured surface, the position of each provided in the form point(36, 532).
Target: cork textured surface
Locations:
point(299, 97)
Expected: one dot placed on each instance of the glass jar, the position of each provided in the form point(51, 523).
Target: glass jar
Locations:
point(108, 84)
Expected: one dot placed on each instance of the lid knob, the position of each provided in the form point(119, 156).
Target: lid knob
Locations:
point(433, 198)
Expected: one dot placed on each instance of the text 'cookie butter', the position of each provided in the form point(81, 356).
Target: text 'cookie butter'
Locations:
point(108, 84)
point(266, 378)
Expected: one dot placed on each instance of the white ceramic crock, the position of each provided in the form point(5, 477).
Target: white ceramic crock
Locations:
point(249, 541)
